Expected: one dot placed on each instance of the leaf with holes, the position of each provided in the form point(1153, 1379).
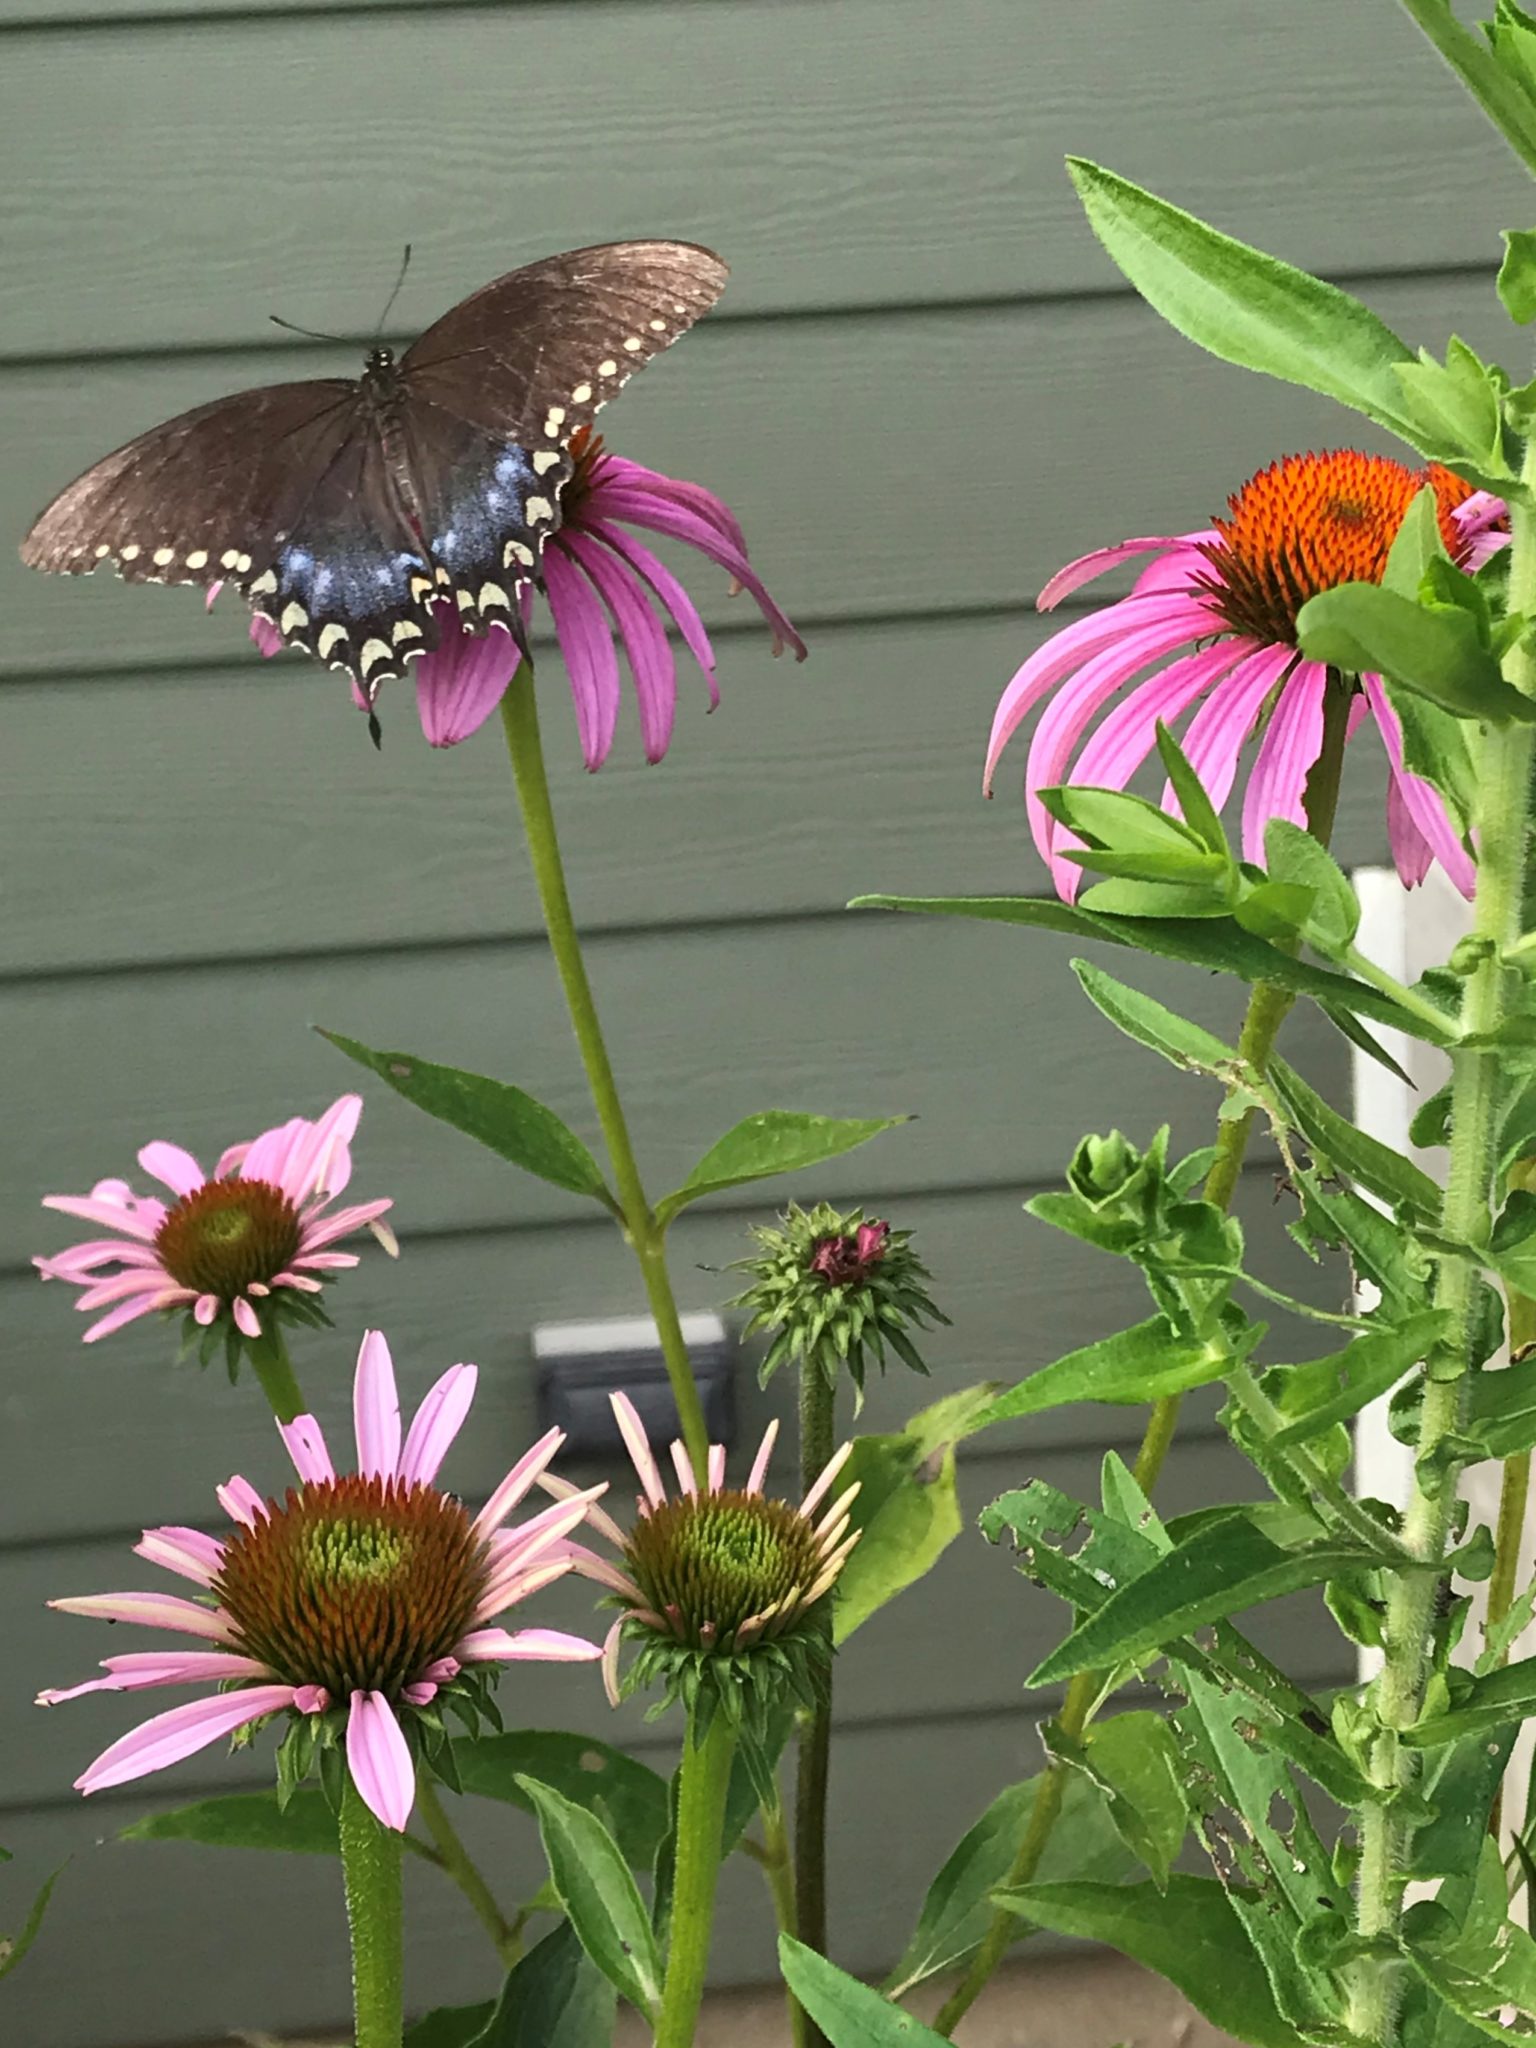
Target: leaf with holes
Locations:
point(1133, 1760)
point(1314, 1396)
point(600, 1897)
point(1480, 1980)
point(628, 1797)
point(1343, 1145)
point(511, 1123)
point(772, 1142)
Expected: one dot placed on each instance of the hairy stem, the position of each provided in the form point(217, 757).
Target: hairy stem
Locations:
point(1513, 1496)
point(370, 1868)
point(271, 1364)
point(778, 1865)
point(818, 1398)
point(1268, 1007)
point(520, 721)
point(702, 1787)
point(456, 1862)
point(1503, 797)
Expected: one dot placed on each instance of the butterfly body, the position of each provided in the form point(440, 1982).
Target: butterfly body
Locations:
point(350, 512)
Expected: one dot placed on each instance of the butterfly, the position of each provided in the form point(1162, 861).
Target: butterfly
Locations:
point(348, 510)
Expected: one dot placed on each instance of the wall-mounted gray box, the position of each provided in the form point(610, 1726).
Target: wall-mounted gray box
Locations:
point(581, 1363)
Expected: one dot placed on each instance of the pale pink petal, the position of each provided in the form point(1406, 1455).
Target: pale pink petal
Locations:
point(509, 1588)
point(241, 1502)
point(187, 1552)
point(645, 643)
point(180, 1733)
point(610, 1659)
point(177, 1168)
point(1089, 566)
point(320, 1162)
point(823, 1485)
point(1291, 744)
point(311, 1699)
point(1213, 740)
point(586, 647)
point(79, 1261)
point(380, 1760)
point(150, 1610)
point(302, 1283)
point(317, 1231)
point(420, 1694)
point(385, 1235)
point(461, 681)
point(146, 1280)
point(442, 1670)
point(126, 1312)
point(246, 1319)
point(600, 1519)
point(266, 1157)
point(759, 1470)
point(231, 1157)
point(205, 1308)
point(535, 1536)
point(1422, 803)
point(1125, 636)
point(1412, 854)
point(376, 1409)
point(140, 1219)
point(518, 1481)
point(306, 1446)
point(137, 1670)
point(1182, 568)
point(437, 1422)
point(265, 637)
point(588, 1565)
point(329, 1262)
point(525, 1645)
point(682, 1465)
point(715, 1467)
point(632, 1429)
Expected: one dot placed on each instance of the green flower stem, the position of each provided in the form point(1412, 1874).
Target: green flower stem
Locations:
point(1513, 1495)
point(456, 1862)
point(703, 1783)
point(370, 1868)
point(818, 1397)
point(1268, 1007)
point(274, 1368)
point(520, 720)
point(774, 1856)
point(1503, 797)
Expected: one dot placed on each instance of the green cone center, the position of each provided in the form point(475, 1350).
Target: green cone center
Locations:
point(710, 1562)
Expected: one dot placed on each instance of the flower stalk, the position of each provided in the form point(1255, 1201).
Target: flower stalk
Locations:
point(818, 1397)
point(520, 721)
point(370, 1867)
point(703, 1783)
point(1268, 1007)
point(459, 1865)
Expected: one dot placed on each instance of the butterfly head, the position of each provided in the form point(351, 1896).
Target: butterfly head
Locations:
point(379, 371)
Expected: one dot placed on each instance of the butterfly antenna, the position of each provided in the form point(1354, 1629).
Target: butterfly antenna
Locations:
point(389, 304)
point(310, 333)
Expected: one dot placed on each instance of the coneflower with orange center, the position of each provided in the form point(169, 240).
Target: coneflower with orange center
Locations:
point(1230, 594)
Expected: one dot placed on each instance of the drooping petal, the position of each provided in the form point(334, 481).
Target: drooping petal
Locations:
point(525, 1645)
point(380, 1760)
point(156, 1744)
point(645, 644)
point(632, 1429)
point(1213, 739)
point(586, 647)
point(173, 1166)
point(535, 1536)
point(1422, 802)
point(112, 1204)
point(187, 1552)
point(320, 1160)
point(137, 1670)
point(517, 1482)
point(460, 682)
point(600, 1519)
point(669, 589)
point(1412, 854)
point(616, 473)
point(1290, 747)
point(508, 1588)
point(610, 1657)
point(319, 1230)
point(80, 1261)
point(1084, 570)
point(150, 1610)
point(306, 1446)
point(126, 1312)
point(436, 1423)
point(376, 1409)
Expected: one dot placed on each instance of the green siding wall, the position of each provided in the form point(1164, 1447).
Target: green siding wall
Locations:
point(924, 390)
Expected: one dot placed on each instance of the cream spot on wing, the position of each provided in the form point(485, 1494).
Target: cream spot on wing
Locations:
point(131, 553)
point(678, 306)
point(492, 593)
point(230, 558)
point(658, 327)
point(265, 582)
point(517, 551)
point(582, 395)
point(464, 601)
point(633, 343)
point(374, 651)
point(537, 511)
point(405, 629)
point(443, 577)
point(102, 551)
point(198, 559)
point(545, 459)
point(556, 419)
point(331, 636)
point(164, 557)
point(421, 586)
point(607, 367)
point(294, 618)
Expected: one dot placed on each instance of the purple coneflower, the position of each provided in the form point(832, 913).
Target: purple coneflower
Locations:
point(231, 1244)
point(718, 1576)
point(1231, 593)
point(355, 1599)
point(598, 578)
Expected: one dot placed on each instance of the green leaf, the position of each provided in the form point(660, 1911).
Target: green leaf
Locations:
point(1200, 813)
point(553, 1998)
point(13, 1948)
point(957, 1910)
point(498, 1115)
point(451, 2026)
point(849, 2013)
point(774, 1141)
point(1153, 1024)
point(1145, 1363)
point(1460, 1782)
point(907, 1506)
point(600, 1897)
point(1512, 1243)
point(1517, 275)
point(1456, 410)
point(246, 1820)
point(1360, 627)
point(1274, 910)
point(1188, 1934)
point(1495, 86)
point(1134, 1760)
point(1123, 823)
point(1491, 1703)
point(628, 1797)
point(1124, 897)
point(1339, 1143)
point(1221, 1570)
point(1314, 1396)
point(1503, 1409)
point(1294, 858)
point(1475, 1976)
point(1243, 306)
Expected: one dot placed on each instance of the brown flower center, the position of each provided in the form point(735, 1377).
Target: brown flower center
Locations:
point(1309, 523)
point(709, 1562)
point(355, 1584)
point(586, 448)
point(227, 1234)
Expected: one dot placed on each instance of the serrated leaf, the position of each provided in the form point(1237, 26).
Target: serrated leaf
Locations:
point(772, 1142)
point(627, 1796)
point(600, 1897)
point(497, 1115)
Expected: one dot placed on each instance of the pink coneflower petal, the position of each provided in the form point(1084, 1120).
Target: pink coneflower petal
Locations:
point(311, 1699)
point(588, 1565)
point(518, 1481)
point(126, 1312)
point(618, 473)
point(170, 1737)
point(715, 1467)
point(462, 680)
point(437, 1423)
point(322, 1231)
point(632, 1429)
point(241, 1502)
point(1087, 567)
point(138, 1219)
point(682, 1465)
point(601, 1520)
point(586, 646)
point(187, 1552)
point(1213, 740)
point(1422, 803)
point(510, 1587)
point(379, 1759)
point(306, 1446)
point(610, 1661)
point(138, 1670)
point(759, 1470)
point(820, 1490)
point(205, 1309)
point(526, 1645)
point(1412, 854)
point(149, 1610)
point(172, 1165)
point(669, 590)
point(645, 643)
point(80, 1261)
point(247, 1322)
point(534, 1537)
point(376, 1409)
point(1290, 747)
